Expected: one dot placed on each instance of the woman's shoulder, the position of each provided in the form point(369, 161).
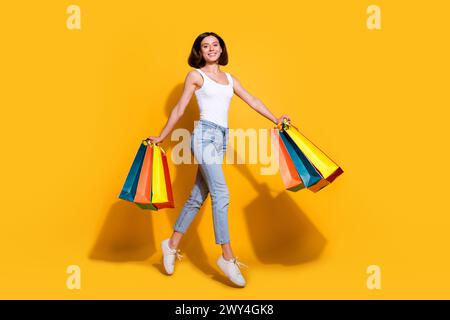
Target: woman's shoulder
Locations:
point(193, 71)
point(193, 76)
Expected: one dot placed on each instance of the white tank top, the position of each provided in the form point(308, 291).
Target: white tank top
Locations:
point(214, 99)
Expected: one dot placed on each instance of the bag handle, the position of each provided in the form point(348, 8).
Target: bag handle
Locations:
point(284, 124)
point(146, 143)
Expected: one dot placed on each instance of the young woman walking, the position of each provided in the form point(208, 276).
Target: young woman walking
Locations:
point(213, 89)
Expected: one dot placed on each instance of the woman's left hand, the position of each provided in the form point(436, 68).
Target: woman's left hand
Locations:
point(284, 116)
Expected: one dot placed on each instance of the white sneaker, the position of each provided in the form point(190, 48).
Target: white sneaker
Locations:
point(231, 270)
point(169, 256)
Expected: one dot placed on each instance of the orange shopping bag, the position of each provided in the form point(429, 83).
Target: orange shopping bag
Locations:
point(143, 191)
point(289, 174)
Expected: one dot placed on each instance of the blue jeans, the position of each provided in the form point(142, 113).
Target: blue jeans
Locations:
point(208, 143)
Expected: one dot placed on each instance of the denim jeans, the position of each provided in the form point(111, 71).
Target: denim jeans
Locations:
point(208, 144)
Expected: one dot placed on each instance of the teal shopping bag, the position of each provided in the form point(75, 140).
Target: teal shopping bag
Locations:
point(305, 169)
point(129, 188)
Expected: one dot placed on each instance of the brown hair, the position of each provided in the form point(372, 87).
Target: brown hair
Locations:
point(196, 59)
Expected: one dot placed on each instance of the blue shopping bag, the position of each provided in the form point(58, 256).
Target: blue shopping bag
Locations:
point(305, 169)
point(129, 188)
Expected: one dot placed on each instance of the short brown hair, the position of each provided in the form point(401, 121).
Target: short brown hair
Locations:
point(196, 59)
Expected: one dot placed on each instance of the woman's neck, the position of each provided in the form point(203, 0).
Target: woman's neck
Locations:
point(211, 68)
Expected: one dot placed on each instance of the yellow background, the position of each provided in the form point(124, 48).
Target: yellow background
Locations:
point(76, 103)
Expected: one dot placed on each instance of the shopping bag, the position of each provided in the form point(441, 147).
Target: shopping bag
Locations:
point(305, 169)
point(159, 188)
point(143, 190)
point(289, 174)
point(129, 188)
point(327, 168)
point(168, 184)
point(148, 183)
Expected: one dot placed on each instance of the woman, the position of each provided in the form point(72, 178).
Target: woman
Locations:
point(214, 90)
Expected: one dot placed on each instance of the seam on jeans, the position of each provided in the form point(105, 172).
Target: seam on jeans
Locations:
point(220, 227)
point(213, 202)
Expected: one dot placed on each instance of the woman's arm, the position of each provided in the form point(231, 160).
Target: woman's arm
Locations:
point(177, 112)
point(255, 103)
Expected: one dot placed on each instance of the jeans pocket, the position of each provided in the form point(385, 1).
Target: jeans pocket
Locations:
point(221, 143)
point(208, 135)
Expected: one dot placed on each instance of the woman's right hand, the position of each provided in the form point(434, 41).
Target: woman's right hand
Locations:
point(154, 139)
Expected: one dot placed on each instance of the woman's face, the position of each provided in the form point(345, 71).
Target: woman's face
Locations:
point(210, 49)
